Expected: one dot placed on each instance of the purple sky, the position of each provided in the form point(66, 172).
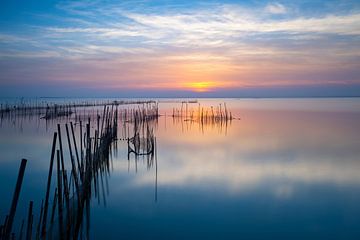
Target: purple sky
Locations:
point(174, 49)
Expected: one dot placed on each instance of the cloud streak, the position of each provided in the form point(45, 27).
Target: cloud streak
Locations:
point(233, 45)
point(276, 8)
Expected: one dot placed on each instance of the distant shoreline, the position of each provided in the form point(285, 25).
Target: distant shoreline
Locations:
point(200, 97)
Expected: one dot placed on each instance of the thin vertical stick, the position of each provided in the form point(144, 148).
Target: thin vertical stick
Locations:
point(81, 149)
point(15, 199)
point(59, 187)
point(66, 190)
point(4, 226)
point(54, 206)
point(29, 222)
point(102, 123)
point(40, 218)
point(43, 231)
point(156, 172)
point(76, 151)
point(73, 163)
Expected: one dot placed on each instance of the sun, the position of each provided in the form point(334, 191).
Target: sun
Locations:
point(201, 86)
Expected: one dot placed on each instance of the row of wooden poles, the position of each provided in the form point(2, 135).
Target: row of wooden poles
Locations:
point(52, 110)
point(58, 111)
point(144, 112)
point(212, 114)
point(72, 194)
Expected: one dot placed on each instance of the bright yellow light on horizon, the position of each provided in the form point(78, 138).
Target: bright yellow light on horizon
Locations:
point(202, 76)
point(201, 86)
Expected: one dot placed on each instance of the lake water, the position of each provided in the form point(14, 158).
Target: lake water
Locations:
point(283, 169)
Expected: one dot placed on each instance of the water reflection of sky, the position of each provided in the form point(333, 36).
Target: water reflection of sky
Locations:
point(289, 169)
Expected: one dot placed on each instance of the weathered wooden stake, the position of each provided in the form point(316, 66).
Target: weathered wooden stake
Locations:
point(59, 187)
point(40, 218)
point(43, 230)
point(73, 164)
point(16, 195)
point(76, 151)
point(29, 221)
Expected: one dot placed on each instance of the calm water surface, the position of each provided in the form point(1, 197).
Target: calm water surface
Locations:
point(287, 169)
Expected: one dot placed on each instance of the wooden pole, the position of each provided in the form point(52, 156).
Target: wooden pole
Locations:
point(15, 199)
point(29, 221)
point(64, 176)
point(40, 218)
point(59, 187)
point(53, 207)
point(66, 191)
point(73, 163)
point(76, 151)
point(4, 226)
point(81, 149)
point(43, 230)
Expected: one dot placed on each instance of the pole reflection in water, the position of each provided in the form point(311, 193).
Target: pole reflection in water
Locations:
point(88, 173)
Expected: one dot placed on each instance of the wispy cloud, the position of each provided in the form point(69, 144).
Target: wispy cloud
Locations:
point(235, 44)
point(224, 25)
point(276, 8)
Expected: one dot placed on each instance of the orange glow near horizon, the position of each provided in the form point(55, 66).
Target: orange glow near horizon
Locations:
point(202, 76)
point(201, 86)
point(198, 76)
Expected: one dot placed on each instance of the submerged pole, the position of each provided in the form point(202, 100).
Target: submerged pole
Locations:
point(59, 187)
point(43, 230)
point(15, 199)
point(76, 151)
point(29, 221)
point(74, 173)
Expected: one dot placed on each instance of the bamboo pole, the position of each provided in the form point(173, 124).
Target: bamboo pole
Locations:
point(54, 207)
point(59, 187)
point(43, 231)
point(64, 177)
point(81, 149)
point(66, 190)
point(76, 151)
point(73, 163)
point(15, 199)
point(40, 218)
point(29, 221)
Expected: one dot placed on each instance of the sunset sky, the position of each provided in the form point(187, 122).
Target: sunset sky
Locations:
point(180, 48)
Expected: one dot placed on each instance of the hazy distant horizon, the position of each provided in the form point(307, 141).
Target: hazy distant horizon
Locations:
point(282, 92)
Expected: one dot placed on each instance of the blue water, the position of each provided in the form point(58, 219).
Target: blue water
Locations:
point(288, 169)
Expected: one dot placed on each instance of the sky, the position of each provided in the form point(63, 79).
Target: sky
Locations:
point(180, 48)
